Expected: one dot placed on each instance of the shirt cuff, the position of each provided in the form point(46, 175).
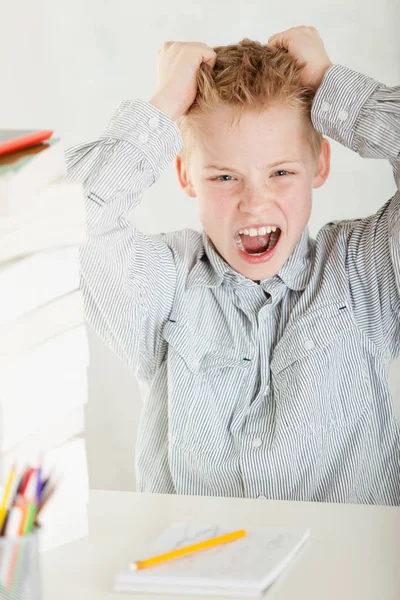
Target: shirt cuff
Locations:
point(147, 129)
point(338, 103)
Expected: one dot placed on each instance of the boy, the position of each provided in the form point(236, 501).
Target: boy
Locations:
point(265, 353)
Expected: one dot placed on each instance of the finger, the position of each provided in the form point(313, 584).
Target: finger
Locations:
point(200, 49)
point(279, 40)
point(208, 55)
point(282, 38)
point(210, 58)
point(274, 38)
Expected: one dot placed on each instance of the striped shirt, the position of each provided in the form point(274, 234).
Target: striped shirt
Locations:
point(276, 389)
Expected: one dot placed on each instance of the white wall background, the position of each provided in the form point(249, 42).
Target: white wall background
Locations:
point(66, 64)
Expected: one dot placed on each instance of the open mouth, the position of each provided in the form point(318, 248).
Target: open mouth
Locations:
point(258, 241)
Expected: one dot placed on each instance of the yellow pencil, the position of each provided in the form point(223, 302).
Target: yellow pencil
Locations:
point(3, 508)
point(222, 539)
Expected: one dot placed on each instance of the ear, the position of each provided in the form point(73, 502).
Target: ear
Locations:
point(183, 177)
point(324, 164)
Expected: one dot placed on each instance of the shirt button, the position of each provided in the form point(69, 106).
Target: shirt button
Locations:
point(154, 122)
point(143, 137)
point(325, 107)
point(257, 443)
point(343, 115)
point(309, 345)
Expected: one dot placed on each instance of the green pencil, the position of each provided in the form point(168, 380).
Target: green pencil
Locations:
point(30, 518)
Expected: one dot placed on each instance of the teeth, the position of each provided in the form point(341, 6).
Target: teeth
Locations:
point(272, 240)
point(239, 241)
point(253, 232)
point(271, 243)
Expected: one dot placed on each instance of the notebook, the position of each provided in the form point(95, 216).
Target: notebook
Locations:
point(40, 325)
point(24, 173)
point(31, 281)
point(245, 567)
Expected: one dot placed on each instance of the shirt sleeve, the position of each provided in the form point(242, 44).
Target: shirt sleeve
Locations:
point(364, 115)
point(128, 279)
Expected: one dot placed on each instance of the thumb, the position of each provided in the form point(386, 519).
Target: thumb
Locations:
point(210, 58)
point(278, 41)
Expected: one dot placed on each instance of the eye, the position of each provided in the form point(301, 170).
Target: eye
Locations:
point(223, 178)
point(281, 173)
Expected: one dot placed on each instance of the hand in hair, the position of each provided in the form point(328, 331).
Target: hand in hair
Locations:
point(178, 64)
point(306, 45)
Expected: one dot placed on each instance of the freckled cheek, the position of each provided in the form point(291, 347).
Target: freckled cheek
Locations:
point(217, 203)
point(296, 205)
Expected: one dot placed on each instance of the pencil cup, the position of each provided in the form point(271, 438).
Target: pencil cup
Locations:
point(20, 568)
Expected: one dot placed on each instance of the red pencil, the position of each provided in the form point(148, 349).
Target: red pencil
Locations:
point(28, 474)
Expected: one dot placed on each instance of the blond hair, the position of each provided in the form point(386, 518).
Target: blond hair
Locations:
point(251, 76)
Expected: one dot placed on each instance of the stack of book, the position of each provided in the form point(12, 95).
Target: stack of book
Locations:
point(44, 353)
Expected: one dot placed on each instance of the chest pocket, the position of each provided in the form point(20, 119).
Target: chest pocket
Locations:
point(205, 381)
point(320, 372)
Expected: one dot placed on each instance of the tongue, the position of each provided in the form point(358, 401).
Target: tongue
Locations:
point(256, 244)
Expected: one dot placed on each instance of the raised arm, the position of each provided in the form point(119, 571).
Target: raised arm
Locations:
point(128, 278)
point(364, 115)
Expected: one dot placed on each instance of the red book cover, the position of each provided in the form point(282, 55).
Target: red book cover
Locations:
point(12, 140)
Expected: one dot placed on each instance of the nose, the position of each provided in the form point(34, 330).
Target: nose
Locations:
point(254, 201)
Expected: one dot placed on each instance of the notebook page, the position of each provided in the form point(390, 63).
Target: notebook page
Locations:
point(250, 563)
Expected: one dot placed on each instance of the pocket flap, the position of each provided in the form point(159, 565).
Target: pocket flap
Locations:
point(200, 353)
point(311, 333)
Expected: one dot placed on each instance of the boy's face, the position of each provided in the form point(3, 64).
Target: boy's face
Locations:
point(253, 182)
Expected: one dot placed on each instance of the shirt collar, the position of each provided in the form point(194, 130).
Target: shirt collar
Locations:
point(211, 269)
point(296, 271)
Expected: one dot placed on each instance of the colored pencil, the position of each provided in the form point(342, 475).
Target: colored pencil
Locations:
point(222, 539)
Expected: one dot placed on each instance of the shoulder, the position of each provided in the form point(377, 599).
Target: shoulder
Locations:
point(338, 234)
point(332, 247)
point(186, 245)
point(352, 233)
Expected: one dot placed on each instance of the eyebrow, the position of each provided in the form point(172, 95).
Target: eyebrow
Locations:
point(271, 165)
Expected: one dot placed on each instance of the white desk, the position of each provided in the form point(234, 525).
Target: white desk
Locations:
point(353, 554)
